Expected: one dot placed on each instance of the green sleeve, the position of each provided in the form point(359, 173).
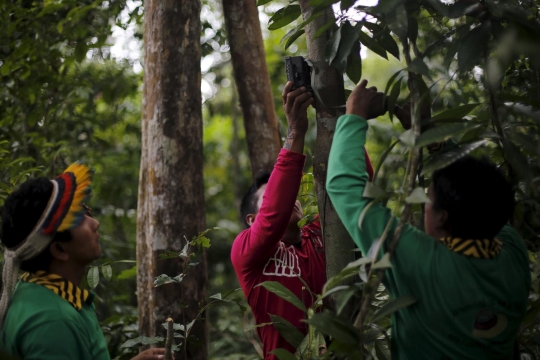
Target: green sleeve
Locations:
point(346, 181)
point(58, 340)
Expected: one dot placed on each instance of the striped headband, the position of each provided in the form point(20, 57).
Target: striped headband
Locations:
point(64, 211)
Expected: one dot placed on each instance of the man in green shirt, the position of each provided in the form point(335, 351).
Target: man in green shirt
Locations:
point(469, 272)
point(51, 236)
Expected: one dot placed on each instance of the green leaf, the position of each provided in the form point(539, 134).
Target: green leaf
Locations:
point(346, 4)
point(392, 306)
point(517, 160)
point(413, 29)
point(344, 297)
point(385, 6)
point(284, 16)
point(106, 270)
point(392, 99)
point(324, 28)
point(398, 21)
point(143, 340)
point(473, 46)
point(444, 132)
point(365, 211)
point(445, 158)
point(383, 37)
point(284, 293)
point(372, 44)
point(383, 263)
point(80, 51)
point(328, 323)
point(332, 46)
point(263, 2)
point(322, 3)
point(391, 81)
point(287, 330)
point(407, 138)
point(526, 110)
point(348, 40)
point(372, 191)
point(418, 66)
point(456, 113)
point(283, 354)
point(128, 273)
point(417, 196)
point(293, 38)
point(92, 278)
point(344, 274)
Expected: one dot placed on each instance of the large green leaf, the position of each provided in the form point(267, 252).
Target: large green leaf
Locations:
point(284, 293)
point(332, 46)
point(106, 270)
point(283, 354)
point(372, 44)
point(392, 98)
point(328, 323)
point(473, 46)
point(445, 158)
point(398, 21)
point(517, 160)
point(263, 2)
point(287, 330)
point(92, 277)
point(456, 113)
point(392, 306)
point(293, 38)
point(354, 63)
point(417, 196)
point(418, 66)
point(348, 39)
point(284, 16)
point(387, 42)
point(443, 132)
point(324, 28)
point(142, 340)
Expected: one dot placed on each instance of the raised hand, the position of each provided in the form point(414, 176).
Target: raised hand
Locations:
point(366, 102)
point(295, 104)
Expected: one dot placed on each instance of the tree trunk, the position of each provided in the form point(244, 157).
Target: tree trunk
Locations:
point(171, 190)
point(329, 84)
point(253, 83)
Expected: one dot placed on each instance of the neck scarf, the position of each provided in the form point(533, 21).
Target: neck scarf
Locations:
point(60, 286)
point(481, 249)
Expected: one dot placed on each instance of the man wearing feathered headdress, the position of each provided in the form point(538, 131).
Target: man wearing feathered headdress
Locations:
point(51, 237)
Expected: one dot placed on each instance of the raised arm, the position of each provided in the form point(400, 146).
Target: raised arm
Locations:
point(258, 243)
point(347, 172)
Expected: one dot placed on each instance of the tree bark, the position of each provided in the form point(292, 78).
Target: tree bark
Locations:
point(253, 83)
point(171, 190)
point(329, 84)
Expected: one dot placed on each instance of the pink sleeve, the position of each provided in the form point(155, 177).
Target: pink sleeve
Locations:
point(257, 244)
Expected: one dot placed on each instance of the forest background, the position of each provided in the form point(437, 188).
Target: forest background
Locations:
point(71, 89)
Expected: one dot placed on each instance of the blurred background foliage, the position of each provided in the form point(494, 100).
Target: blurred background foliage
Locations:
point(70, 89)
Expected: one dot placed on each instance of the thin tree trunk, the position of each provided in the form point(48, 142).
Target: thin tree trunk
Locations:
point(171, 190)
point(253, 83)
point(329, 84)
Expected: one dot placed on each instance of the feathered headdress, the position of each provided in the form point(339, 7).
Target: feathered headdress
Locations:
point(64, 211)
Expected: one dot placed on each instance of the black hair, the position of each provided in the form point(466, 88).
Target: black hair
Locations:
point(249, 201)
point(477, 197)
point(21, 212)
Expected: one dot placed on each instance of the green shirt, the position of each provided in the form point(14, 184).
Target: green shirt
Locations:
point(41, 325)
point(467, 308)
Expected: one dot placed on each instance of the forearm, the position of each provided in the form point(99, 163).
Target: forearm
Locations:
point(294, 141)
